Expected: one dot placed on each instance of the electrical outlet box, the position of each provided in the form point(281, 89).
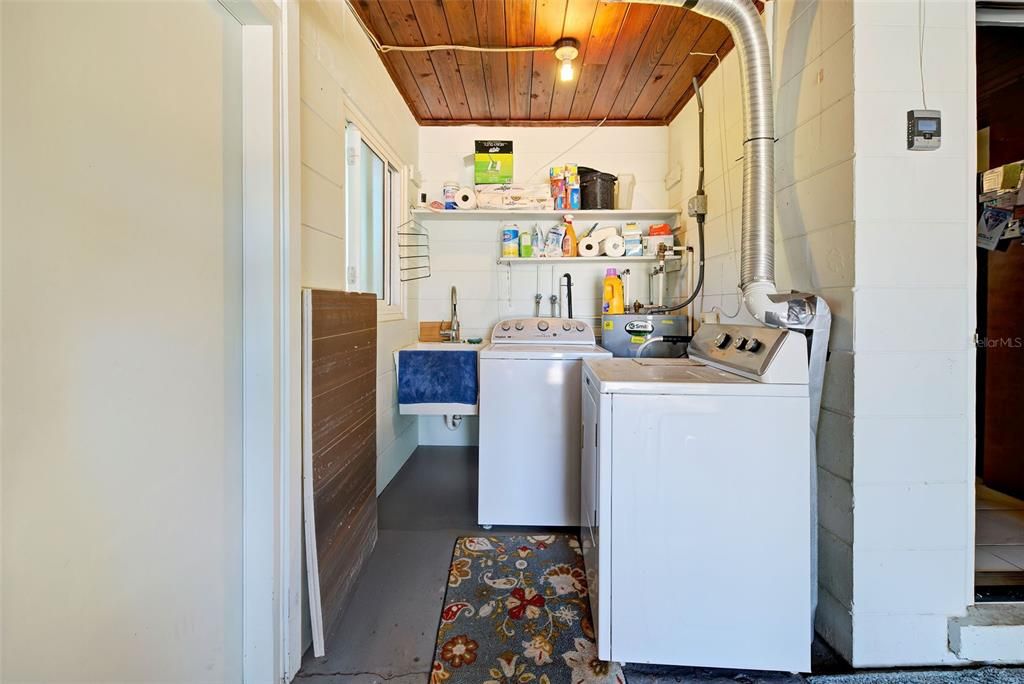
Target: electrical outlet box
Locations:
point(924, 129)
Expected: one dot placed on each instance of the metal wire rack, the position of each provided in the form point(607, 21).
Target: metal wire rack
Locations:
point(413, 251)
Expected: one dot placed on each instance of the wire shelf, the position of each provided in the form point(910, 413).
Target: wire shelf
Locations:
point(413, 251)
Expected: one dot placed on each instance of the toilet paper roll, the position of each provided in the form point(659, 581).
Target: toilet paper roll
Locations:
point(465, 198)
point(613, 246)
point(589, 247)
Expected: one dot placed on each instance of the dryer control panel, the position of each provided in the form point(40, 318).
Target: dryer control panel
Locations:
point(546, 330)
point(749, 350)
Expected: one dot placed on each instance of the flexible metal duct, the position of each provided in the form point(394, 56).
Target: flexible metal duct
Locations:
point(757, 254)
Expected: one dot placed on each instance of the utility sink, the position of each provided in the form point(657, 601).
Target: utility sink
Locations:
point(438, 378)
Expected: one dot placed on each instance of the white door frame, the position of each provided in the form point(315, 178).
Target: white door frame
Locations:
point(270, 348)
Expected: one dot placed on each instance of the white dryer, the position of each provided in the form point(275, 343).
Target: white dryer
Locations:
point(695, 504)
point(530, 379)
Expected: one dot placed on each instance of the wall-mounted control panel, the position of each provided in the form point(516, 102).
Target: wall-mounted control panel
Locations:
point(546, 330)
point(924, 129)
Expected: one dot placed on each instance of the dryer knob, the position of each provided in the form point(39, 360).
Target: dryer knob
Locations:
point(542, 325)
point(506, 326)
point(566, 326)
point(519, 325)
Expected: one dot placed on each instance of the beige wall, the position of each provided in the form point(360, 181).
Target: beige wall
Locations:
point(121, 342)
point(340, 69)
point(814, 235)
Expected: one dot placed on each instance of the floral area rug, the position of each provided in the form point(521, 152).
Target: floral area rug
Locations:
point(516, 611)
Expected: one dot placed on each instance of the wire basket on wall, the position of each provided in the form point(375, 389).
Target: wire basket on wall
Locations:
point(413, 251)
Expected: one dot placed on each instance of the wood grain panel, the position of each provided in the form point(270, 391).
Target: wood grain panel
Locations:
point(679, 91)
point(656, 42)
point(395, 62)
point(689, 31)
point(490, 26)
point(547, 29)
point(434, 29)
point(339, 448)
point(398, 15)
point(579, 18)
point(519, 18)
point(635, 27)
point(634, 67)
point(461, 20)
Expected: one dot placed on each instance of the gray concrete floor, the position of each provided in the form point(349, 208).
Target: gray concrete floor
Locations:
point(387, 632)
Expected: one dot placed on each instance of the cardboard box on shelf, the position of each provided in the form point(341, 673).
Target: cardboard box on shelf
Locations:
point(1005, 177)
point(492, 162)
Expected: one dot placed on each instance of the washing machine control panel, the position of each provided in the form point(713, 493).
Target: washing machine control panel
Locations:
point(746, 348)
point(546, 330)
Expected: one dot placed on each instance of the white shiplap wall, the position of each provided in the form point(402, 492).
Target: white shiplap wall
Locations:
point(814, 235)
point(339, 69)
point(464, 253)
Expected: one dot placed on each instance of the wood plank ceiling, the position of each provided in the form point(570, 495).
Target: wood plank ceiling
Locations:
point(635, 65)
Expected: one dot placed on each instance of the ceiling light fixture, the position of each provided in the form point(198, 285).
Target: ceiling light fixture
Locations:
point(566, 50)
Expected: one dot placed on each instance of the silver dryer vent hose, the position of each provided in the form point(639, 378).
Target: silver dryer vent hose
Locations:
point(757, 247)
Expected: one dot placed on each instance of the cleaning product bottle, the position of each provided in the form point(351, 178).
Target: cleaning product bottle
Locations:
point(613, 303)
point(569, 242)
point(537, 241)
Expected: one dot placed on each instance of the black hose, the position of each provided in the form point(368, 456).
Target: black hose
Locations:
point(700, 217)
point(568, 292)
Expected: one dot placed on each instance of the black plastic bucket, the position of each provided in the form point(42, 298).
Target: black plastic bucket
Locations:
point(597, 189)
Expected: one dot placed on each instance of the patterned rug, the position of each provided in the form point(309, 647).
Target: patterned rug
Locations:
point(516, 611)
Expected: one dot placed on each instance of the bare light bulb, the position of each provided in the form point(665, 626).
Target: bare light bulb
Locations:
point(567, 72)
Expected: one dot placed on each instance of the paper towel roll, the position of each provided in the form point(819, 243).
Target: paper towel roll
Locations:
point(613, 246)
point(590, 247)
point(603, 232)
point(465, 198)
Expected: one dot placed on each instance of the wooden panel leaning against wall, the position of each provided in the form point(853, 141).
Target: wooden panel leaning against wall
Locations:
point(339, 448)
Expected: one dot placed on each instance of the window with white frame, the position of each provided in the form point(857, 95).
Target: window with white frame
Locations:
point(374, 192)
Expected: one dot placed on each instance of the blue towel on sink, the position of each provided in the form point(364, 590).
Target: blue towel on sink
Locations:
point(437, 377)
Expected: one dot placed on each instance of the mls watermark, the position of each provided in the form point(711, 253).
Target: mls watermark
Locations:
point(999, 342)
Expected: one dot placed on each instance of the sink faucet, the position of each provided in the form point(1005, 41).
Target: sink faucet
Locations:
point(453, 333)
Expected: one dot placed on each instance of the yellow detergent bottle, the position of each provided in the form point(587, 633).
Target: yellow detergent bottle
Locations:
point(613, 301)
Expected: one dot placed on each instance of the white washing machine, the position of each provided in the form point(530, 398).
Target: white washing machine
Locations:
point(695, 503)
point(530, 379)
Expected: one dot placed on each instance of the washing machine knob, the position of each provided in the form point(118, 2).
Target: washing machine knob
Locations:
point(542, 325)
point(519, 325)
point(580, 327)
point(566, 326)
point(722, 341)
point(506, 326)
point(754, 345)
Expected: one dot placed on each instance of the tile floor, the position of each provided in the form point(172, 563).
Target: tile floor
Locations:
point(999, 537)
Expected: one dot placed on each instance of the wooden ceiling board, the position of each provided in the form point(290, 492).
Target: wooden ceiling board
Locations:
point(434, 29)
point(675, 92)
point(634, 65)
point(490, 24)
point(461, 20)
point(631, 36)
point(656, 42)
point(396, 64)
point(686, 36)
point(550, 19)
point(519, 18)
point(406, 31)
point(579, 18)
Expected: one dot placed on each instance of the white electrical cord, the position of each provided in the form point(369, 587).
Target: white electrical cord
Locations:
point(380, 47)
point(920, 48)
point(547, 164)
